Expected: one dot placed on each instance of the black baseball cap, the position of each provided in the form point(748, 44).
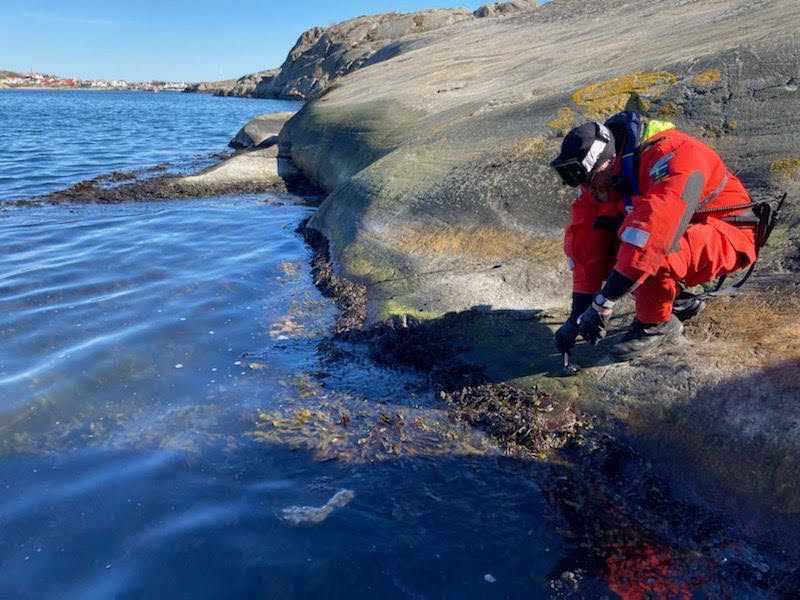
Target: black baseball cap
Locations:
point(583, 148)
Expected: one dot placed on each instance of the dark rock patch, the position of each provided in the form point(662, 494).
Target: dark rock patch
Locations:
point(144, 185)
point(350, 297)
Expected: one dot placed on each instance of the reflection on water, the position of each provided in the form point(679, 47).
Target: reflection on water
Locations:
point(163, 400)
point(52, 139)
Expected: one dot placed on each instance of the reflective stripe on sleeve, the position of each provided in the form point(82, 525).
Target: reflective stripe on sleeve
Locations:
point(637, 237)
point(571, 263)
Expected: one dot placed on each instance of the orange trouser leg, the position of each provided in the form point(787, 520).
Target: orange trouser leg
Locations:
point(655, 296)
point(707, 250)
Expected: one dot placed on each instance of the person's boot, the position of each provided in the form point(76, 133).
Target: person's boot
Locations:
point(687, 305)
point(640, 339)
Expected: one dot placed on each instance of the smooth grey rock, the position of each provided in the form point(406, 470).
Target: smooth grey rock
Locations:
point(248, 166)
point(260, 129)
point(322, 55)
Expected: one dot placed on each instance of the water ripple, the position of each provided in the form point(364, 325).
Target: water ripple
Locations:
point(53, 139)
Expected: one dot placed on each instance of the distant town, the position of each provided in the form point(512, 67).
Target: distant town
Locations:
point(11, 79)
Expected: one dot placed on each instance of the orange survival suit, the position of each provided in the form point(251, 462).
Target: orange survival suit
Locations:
point(661, 241)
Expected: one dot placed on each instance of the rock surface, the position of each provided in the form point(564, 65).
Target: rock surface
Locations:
point(261, 130)
point(436, 159)
point(211, 87)
point(259, 166)
point(435, 153)
point(247, 85)
point(324, 54)
point(499, 9)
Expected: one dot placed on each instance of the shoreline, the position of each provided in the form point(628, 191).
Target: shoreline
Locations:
point(604, 504)
point(443, 204)
point(610, 495)
point(81, 89)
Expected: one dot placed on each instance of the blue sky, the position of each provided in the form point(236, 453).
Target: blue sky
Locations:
point(169, 39)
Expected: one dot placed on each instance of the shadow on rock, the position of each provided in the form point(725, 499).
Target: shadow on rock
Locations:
point(465, 348)
point(627, 522)
point(741, 435)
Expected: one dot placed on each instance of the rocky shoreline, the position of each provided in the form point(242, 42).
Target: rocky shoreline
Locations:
point(255, 166)
point(635, 531)
point(323, 55)
point(614, 499)
point(440, 200)
point(440, 238)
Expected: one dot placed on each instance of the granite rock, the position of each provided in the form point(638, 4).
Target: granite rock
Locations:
point(211, 87)
point(260, 131)
point(322, 55)
point(247, 85)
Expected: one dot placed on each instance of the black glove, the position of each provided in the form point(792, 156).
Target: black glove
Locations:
point(592, 325)
point(566, 335)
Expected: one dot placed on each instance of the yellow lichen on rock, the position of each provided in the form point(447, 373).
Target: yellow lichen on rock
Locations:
point(534, 145)
point(604, 98)
point(669, 110)
point(784, 166)
point(476, 241)
point(563, 122)
point(706, 78)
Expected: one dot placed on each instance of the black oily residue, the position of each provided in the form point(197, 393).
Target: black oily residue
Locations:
point(627, 527)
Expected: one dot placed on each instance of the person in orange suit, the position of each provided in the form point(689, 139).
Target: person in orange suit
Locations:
point(657, 211)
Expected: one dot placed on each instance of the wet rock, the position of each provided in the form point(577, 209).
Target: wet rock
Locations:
point(243, 173)
point(440, 198)
point(349, 297)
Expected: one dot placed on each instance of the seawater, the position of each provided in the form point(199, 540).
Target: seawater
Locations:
point(51, 139)
point(147, 350)
point(166, 400)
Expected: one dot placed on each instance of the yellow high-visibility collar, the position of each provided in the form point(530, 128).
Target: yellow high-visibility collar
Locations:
point(653, 126)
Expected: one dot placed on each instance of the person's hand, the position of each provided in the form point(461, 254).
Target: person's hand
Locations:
point(566, 335)
point(592, 324)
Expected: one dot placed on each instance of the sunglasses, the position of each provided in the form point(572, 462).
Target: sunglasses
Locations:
point(571, 171)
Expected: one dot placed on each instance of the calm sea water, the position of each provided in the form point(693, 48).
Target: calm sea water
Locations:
point(51, 139)
point(165, 409)
point(163, 402)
